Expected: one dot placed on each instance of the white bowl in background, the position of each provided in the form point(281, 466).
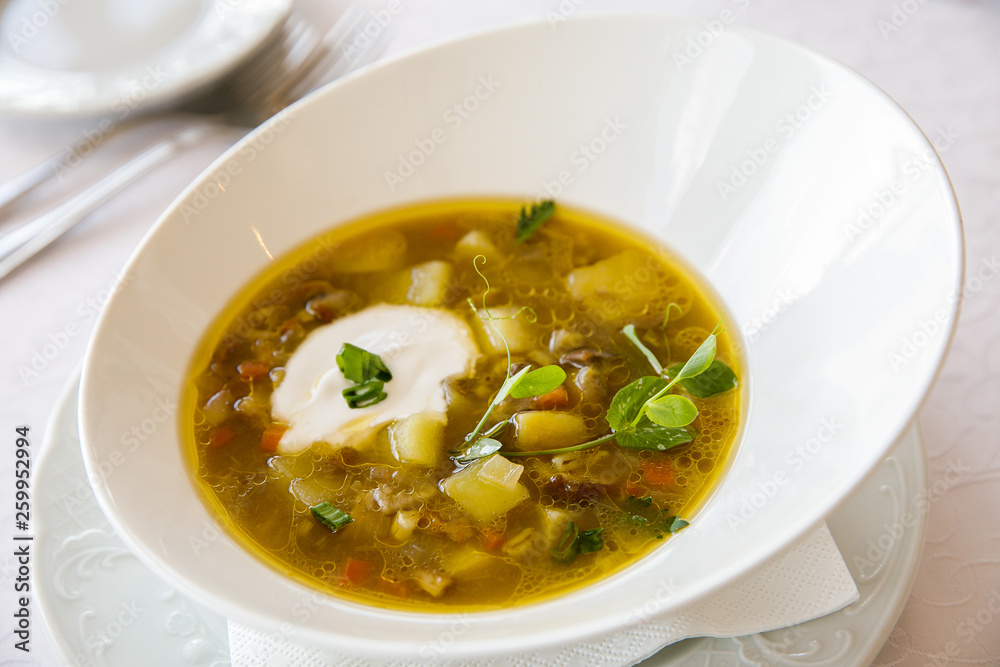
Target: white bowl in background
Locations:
point(812, 203)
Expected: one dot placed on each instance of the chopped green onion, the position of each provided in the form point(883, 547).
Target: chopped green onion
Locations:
point(365, 394)
point(330, 516)
point(360, 365)
point(369, 373)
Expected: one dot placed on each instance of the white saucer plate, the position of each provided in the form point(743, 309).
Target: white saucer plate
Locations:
point(95, 58)
point(105, 608)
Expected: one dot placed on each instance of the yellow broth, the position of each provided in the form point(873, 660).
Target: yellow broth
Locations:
point(411, 546)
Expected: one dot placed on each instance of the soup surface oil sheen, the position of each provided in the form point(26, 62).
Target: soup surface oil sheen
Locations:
point(270, 436)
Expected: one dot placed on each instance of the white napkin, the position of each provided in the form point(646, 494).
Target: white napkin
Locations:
point(806, 581)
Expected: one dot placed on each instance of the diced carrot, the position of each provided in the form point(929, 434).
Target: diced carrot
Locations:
point(444, 232)
point(658, 473)
point(556, 398)
point(356, 571)
point(253, 369)
point(272, 436)
point(492, 540)
point(221, 436)
point(633, 489)
point(399, 589)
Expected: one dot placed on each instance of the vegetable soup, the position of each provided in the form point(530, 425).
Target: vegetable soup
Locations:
point(467, 405)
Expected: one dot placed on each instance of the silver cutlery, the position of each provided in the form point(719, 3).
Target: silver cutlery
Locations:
point(298, 62)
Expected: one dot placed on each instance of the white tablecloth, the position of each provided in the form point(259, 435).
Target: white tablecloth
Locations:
point(940, 59)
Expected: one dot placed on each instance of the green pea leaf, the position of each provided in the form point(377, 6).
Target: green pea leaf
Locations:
point(716, 379)
point(629, 332)
point(699, 361)
point(676, 523)
point(672, 410)
point(479, 449)
point(647, 435)
point(531, 218)
point(538, 382)
point(629, 400)
point(670, 524)
point(509, 384)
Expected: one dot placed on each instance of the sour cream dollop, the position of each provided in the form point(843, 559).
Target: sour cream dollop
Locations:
point(420, 346)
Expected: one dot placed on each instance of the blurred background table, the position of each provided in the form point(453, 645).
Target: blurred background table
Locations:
point(939, 59)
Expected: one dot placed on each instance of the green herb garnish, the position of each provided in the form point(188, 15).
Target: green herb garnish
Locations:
point(573, 543)
point(716, 379)
point(364, 394)
point(478, 449)
point(642, 512)
point(360, 365)
point(526, 383)
point(330, 516)
point(367, 371)
point(642, 414)
point(531, 218)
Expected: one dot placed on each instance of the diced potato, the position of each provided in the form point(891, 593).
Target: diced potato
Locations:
point(474, 243)
point(520, 333)
point(482, 500)
point(470, 562)
point(418, 438)
point(564, 340)
point(432, 582)
point(501, 472)
point(542, 430)
point(429, 283)
point(381, 252)
point(622, 282)
point(404, 524)
point(529, 544)
point(554, 523)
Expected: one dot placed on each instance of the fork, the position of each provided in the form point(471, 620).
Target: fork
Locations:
point(297, 64)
